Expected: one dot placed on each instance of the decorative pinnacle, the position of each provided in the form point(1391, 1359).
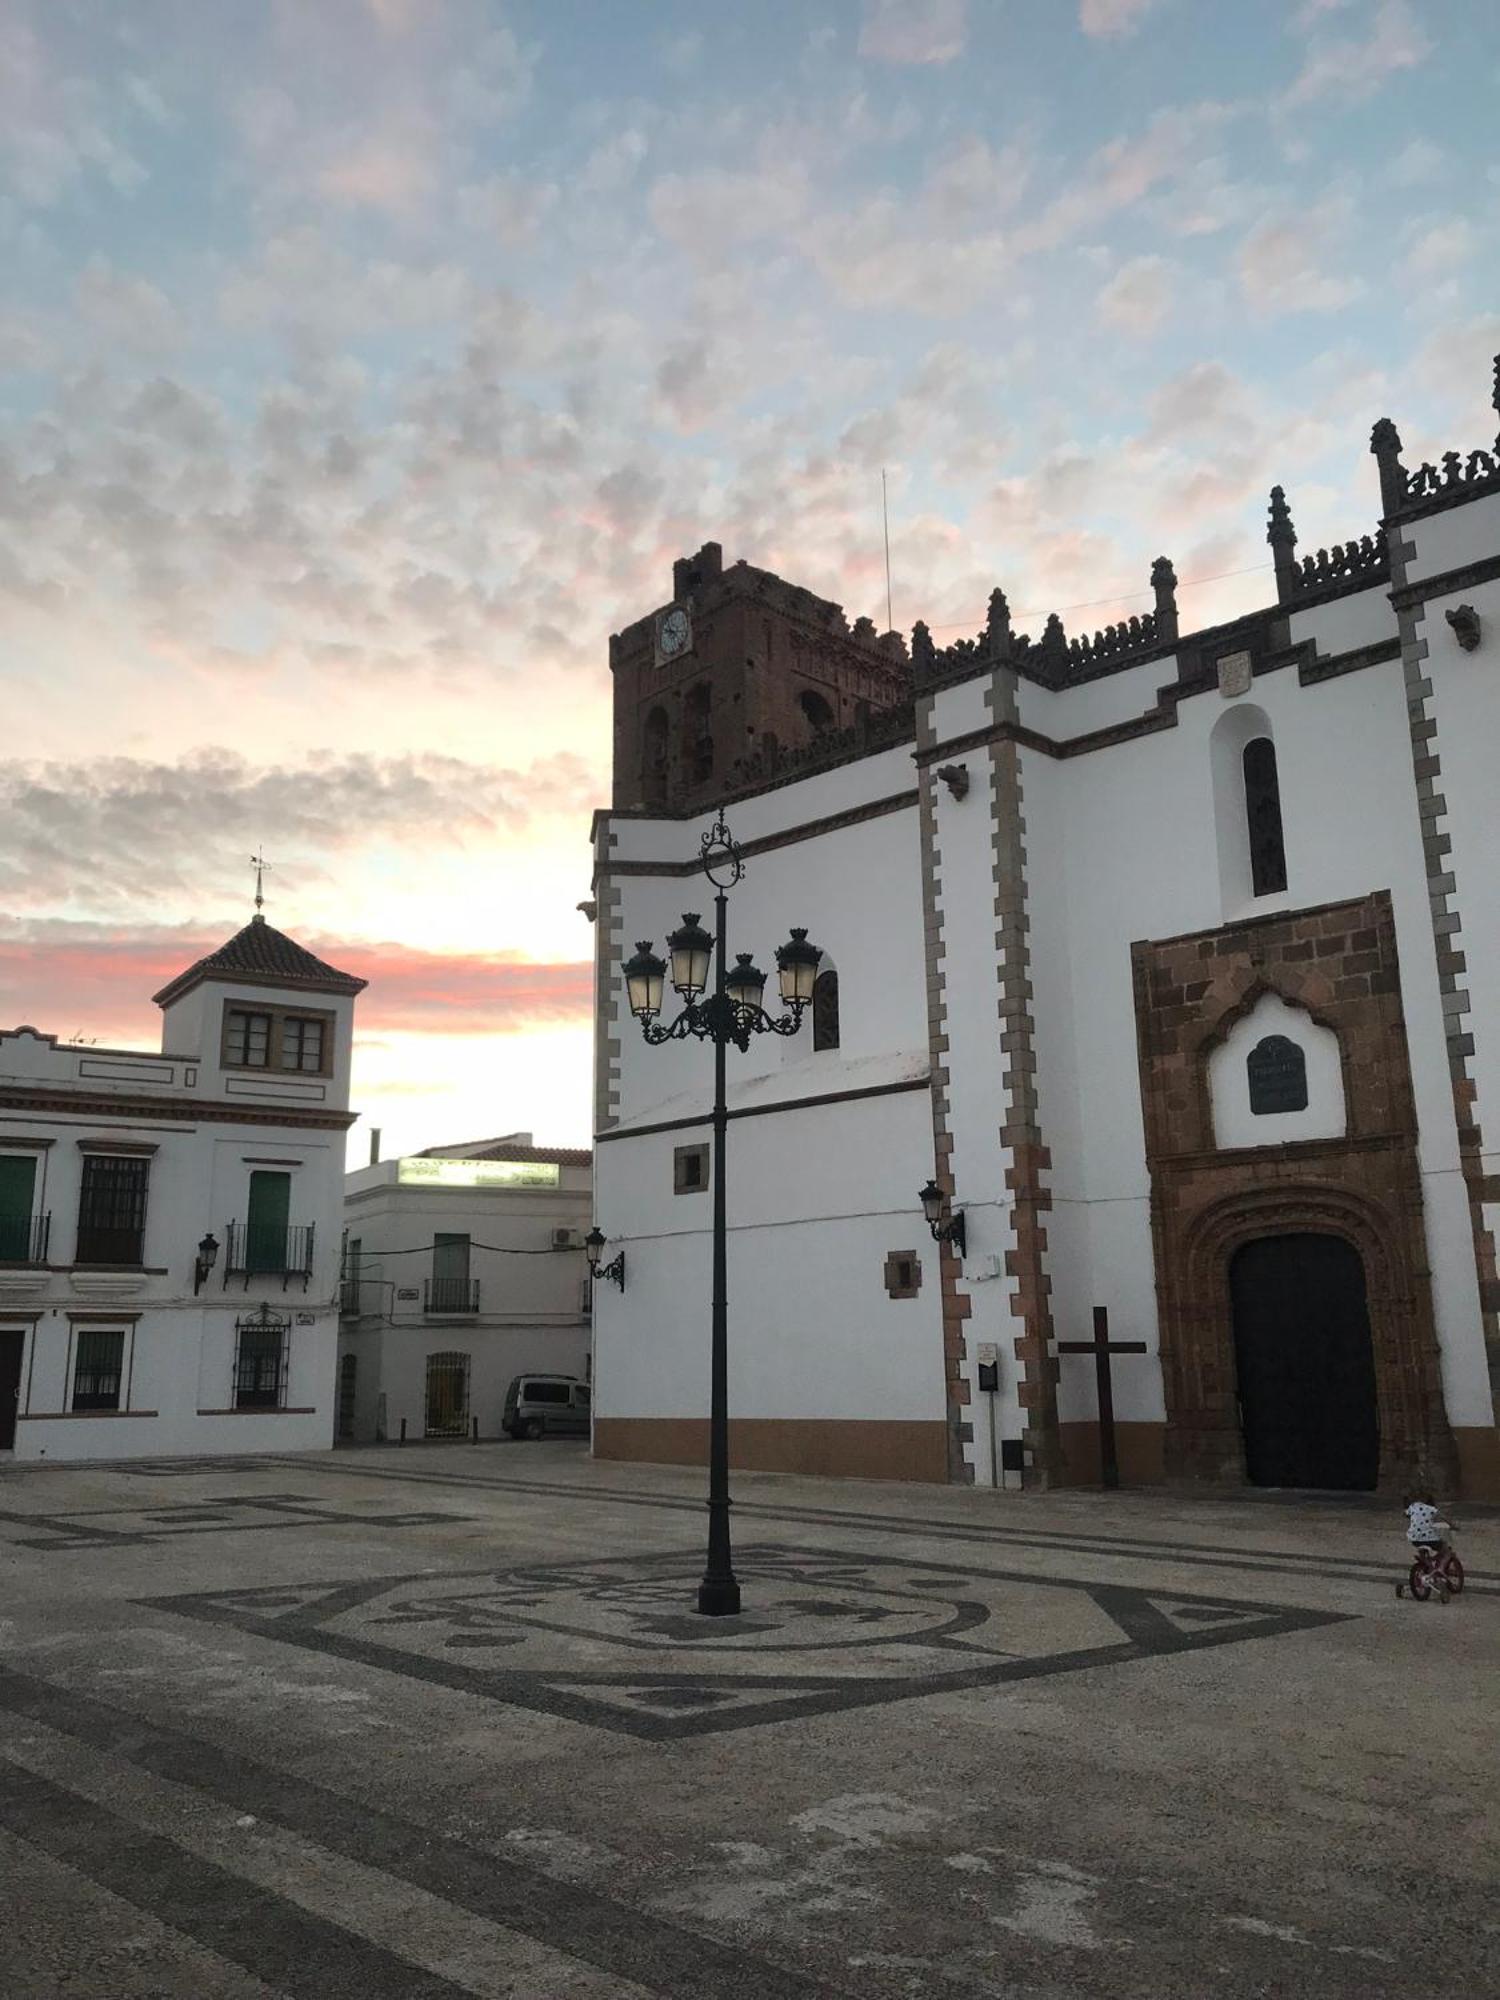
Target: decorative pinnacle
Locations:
point(1495, 392)
point(997, 621)
point(1280, 528)
point(1385, 439)
point(922, 653)
point(1163, 576)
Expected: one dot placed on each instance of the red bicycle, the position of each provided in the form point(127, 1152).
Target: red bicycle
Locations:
point(1435, 1572)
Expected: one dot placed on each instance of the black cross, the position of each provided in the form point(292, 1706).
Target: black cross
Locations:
point(1102, 1347)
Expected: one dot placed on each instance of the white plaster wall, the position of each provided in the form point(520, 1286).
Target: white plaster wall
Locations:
point(1099, 704)
point(1143, 865)
point(1361, 619)
point(392, 1368)
point(1235, 1124)
point(857, 891)
point(1451, 539)
point(817, 1200)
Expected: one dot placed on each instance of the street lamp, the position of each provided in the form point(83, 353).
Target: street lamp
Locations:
point(208, 1256)
point(945, 1227)
point(731, 1013)
point(593, 1244)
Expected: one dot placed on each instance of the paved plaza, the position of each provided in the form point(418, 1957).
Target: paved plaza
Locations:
point(401, 1724)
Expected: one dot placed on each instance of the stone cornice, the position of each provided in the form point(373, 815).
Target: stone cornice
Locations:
point(135, 1110)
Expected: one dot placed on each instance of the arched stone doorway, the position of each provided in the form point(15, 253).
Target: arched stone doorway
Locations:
point(1304, 1363)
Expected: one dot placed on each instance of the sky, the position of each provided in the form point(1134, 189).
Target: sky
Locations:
point(365, 363)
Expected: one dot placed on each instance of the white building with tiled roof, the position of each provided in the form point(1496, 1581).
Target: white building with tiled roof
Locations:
point(169, 1221)
point(464, 1267)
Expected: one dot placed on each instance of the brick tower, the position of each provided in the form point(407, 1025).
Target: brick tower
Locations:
point(739, 669)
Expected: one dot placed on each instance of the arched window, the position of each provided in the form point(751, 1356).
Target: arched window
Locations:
point(654, 759)
point(825, 1010)
point(698, 731)
point(1263, 818)
point(819, 715)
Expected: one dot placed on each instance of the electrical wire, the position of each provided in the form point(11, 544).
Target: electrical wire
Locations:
point(1093, 603)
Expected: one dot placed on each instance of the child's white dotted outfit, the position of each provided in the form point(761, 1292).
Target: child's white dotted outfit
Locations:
point(1424, 1524)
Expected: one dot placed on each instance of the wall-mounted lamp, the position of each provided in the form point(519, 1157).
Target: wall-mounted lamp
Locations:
point(208, 1256)
point(1465, 622)
point(947, 1225)
point(594, 1243)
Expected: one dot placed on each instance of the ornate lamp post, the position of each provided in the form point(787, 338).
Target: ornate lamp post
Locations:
point(731, 1013)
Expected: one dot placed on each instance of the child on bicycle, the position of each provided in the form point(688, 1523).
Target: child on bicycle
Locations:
point(1425, 1526)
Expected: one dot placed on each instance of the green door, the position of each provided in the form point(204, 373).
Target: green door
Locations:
point(17, 1184)
point(266, 1231)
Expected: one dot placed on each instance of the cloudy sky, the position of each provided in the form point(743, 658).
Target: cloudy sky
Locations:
point(364, 364)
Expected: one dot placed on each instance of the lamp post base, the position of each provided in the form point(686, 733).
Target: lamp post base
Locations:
point(719, 1597)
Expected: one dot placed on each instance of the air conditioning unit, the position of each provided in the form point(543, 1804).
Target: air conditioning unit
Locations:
point(565, 1239)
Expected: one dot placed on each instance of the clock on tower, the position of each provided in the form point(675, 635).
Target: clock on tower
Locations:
point(674, 634)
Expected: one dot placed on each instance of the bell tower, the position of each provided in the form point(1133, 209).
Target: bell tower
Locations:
point(738, 665)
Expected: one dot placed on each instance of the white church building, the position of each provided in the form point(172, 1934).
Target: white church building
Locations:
point(1173, 957)
point(170, 1220)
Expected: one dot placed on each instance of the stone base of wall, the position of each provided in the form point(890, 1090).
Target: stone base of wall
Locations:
point(1478, 1447)
point(1140, 1449)
point(824, 1447)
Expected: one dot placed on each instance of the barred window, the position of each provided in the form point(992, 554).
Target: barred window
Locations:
point(112, 1210)
point(97, 1368)
point(301, 1043)
point(261, 1357)
point(247, 1039)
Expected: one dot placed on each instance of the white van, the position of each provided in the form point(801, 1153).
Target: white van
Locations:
point(546, 1406)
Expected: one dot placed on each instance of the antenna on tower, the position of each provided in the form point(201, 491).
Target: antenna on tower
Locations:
point(260, 864)
point(885, 515)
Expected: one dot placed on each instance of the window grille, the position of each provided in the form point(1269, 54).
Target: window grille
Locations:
point(1263, 818)
point(112, 1210)
point(98, 1367)
point(825, 1010)
point(247, 1041)
point(447, 1395)
point(262, 1359)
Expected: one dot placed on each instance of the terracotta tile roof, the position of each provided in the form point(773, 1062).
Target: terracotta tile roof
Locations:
point(511, 1149)
point(263, 957)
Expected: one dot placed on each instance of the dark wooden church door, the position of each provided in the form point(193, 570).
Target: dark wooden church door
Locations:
point(1305, 1365)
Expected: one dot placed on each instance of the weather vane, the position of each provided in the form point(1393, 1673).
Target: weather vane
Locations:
point(260, 864)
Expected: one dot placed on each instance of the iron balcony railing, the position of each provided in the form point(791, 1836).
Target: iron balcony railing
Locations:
point(261, 1250)
point(107, 1243)
point(450, 1295)
point(23, 1238)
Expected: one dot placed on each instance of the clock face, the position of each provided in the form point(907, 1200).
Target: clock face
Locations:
point(674, 634)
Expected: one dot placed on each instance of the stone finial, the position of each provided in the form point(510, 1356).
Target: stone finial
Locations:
point(1385, 443)
point(1164, 583)
point(923, 654)
point(997, 625)
point(1495, 392)
point(1054, 640)
point(1282, 536)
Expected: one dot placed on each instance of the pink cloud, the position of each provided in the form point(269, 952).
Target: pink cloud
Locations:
point(1104, 18)
point(86, 979)
point(913, 31)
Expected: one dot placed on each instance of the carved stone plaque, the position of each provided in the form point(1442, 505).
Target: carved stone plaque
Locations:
point(1277, 1071)
point(1234, 675)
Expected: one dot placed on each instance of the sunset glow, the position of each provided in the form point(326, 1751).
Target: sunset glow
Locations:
point(364, 364)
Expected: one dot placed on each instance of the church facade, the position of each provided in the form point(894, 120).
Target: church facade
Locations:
point(1172, 957)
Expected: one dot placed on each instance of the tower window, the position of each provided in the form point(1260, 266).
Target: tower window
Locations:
point(654, 759)
point(699, 733)
point(819, 715)
point(1263, 818)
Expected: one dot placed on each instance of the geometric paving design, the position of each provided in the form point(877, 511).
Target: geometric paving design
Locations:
point(131, 1527)
point(615, 1643)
